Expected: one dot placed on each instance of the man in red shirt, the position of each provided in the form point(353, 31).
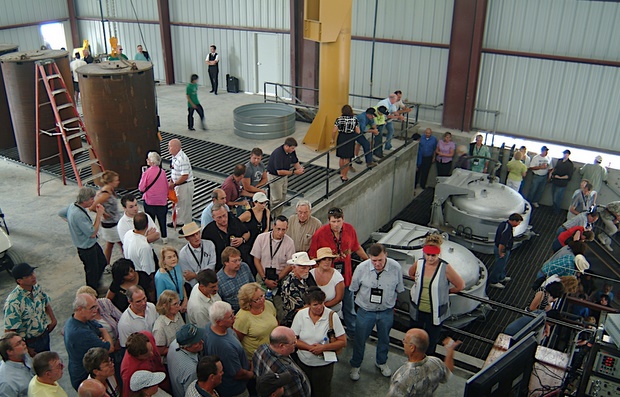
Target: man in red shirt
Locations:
point(342, 239)
point(141, 355)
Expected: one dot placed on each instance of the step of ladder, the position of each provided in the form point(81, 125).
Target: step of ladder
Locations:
point(76, 135)
point(69, 121)
point(81, 166)
point(53, 76)
point(91, 178)
point(83, 149)
point(59, 91)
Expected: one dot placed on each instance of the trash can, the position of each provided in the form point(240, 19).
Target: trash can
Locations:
point(232, 84)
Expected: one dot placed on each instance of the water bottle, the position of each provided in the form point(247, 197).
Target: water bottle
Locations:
point(269, 294)
point(324, 341)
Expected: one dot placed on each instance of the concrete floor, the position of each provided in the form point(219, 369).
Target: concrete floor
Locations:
point(42, 238)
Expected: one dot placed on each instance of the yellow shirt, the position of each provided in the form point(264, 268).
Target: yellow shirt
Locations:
point(425, 298)
point(38, 389)
point(256, 328)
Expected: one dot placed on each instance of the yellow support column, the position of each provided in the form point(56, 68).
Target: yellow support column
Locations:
point(329, 23)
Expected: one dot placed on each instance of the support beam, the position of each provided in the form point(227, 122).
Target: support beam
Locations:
point(464, 63)
point(75, 37)
point(166, 39)
point(304, 56)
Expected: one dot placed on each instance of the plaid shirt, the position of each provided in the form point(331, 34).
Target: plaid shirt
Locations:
point(228, 287)
point(562, 266)
point(25, 311)
point(266, 360)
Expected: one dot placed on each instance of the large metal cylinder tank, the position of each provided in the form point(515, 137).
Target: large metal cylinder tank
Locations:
point(470, 206)
point(120, 115)
point(7, 137)
point(18, 69)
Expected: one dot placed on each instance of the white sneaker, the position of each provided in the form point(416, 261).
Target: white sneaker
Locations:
point(535, 205)
point(507, 278)
point(385, 370)
point(608, 246)
point(108, 269)
point(354, 374)
point(497, 285)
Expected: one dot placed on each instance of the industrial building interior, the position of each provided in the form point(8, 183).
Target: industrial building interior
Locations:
point(519, 72)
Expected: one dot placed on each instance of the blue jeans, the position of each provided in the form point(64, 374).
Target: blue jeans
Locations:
point(364, 325)
point(39, 344)
point(390, 134)
point(348, 311)
point(361, 139)
point(536, 188)
point(499, 268)
point(558, 195)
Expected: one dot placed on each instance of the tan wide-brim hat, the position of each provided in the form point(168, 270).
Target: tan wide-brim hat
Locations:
point(301, 259)
point(324, 252)
point(189, 229)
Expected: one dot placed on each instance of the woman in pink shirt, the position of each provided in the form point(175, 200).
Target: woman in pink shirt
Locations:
point(154, 188)
point(443, 155)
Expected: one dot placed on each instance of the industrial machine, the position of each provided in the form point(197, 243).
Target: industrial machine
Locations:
point(404, 244)
point(470, 205)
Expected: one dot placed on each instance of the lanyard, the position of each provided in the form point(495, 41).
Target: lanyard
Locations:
point(338, 240)
point(585, 202)
point(174, 281)
point(82, 209)
point(271, 245)
point(202, 252)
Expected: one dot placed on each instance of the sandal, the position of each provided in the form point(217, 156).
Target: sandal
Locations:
point(343, 179)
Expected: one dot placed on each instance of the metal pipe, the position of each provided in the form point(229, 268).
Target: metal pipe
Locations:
point(105, 39)
point(374, 40)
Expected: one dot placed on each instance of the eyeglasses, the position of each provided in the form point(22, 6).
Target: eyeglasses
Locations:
point(177, 303)
point(335, 211)
point(260, 298)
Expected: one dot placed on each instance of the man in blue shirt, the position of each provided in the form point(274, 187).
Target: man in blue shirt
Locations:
point(426, 156)
point(503, 244)
point(279, 167)
point(83, 333)
point(16, 369)
point(366, 124)
point(84, 234)
point(377, 281)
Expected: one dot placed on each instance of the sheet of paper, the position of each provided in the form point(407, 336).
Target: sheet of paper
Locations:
point(330, 357)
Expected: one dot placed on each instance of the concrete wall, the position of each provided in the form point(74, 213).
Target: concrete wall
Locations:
point(375, 198)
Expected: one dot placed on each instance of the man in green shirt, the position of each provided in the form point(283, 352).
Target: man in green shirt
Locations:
point(119, 54)
point(193, 104)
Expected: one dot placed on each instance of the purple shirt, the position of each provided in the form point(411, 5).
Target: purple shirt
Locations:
point(445, 147)
point(158, 193)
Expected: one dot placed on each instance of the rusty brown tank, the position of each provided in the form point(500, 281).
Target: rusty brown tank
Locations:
point(120, 115)
point(18, 69)
point(7, 137)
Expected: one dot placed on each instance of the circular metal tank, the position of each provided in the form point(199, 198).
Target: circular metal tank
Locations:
point(490, 204)
point(120, 115)
point(264, 121)
point(466, 264)
point(18, 69)
point(7, 138)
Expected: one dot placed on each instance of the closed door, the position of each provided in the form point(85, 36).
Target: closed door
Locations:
point(268, 63)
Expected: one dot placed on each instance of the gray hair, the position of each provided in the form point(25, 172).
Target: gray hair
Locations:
point(80, 301)
point(218, 311)
point(217, 207)
point(301, 203)
point(154, 158)
point(84, 194)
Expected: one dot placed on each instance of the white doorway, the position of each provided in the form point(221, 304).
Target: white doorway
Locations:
point(54, 35)
point(268, 63)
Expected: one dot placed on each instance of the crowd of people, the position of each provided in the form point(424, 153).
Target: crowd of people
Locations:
point(256, 303)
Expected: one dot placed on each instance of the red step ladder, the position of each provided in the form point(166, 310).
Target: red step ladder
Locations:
point(69, 126)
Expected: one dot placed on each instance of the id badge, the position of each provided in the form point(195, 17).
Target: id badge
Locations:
point(339, 266)
point(476, 161)
point(376, 295)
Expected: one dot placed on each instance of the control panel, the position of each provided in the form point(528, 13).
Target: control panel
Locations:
point(606, 364)
point(602, 387)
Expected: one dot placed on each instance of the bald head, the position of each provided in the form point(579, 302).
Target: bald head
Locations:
point(219, 196)
point(91, 388)
point(174, 146)
point(281, 335)
point(418, 338)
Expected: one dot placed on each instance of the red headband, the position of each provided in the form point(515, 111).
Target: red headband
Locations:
point(431, 249)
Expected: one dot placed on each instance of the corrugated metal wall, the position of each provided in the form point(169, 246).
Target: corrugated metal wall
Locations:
point(232, 27)
point(419, 71)
point(547, 99)
point(16, 12)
